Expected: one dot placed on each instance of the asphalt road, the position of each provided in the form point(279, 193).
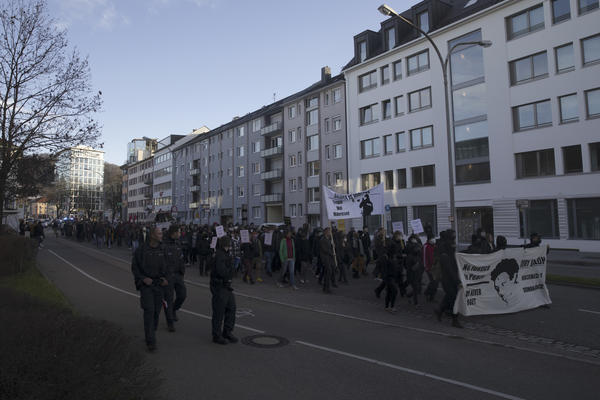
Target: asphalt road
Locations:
point(342, 346)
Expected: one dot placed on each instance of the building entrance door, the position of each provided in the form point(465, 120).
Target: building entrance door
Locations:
point(472, 218)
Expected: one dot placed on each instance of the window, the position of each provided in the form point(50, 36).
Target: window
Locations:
point(368, 114)
point(299, 183)
point(399, 104)
point(256, 189)
point(256, 125)
point(229, 173)
point(370, 180)
point(337, 151)
point(241, 131)
point(314, 195)
point(240, 151)
point(327, 125)
point(423, 176)
point(388, 144)
point(337, 95)
point(312, 142)
point(362, 51)
point(370, 148)
point(367, 81)
point(313, 168)
point(337, 124)
point(529, 68)
point(256, 147)
point(312, 117)
point(292, 135)
point(300, 210)
point(240, 171)
point(535, 163)
point(568, 108)
point(592, 103)
point(389, 180)
point(540, 217)
point(419, 99)
point(402, 178)
point(591, 49)
point(584, 218)
point(338, 179)
point(292, 160)
point(428, 217)
point(418, 62)
point(327, 152)
point(293, 210)
point(565, 61)
point(299, 133)
point(385, 74)
point(423, 19)
point(256, 168)
point(293, 186)
point(299, 158)
point(421, 137)
point(572, 159)
point(525, 22)
point(386, 109)
point(255, 212)
point(530, 116)
point(240, 191)
point(400, 141)
point(390, 38)
point(397, 70)
point(587, 5)
point(561, 10)
point(292, 111)
point(312, 102)
point(326, 98)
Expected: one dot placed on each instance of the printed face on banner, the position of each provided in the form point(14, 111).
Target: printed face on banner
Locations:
point(504, 279)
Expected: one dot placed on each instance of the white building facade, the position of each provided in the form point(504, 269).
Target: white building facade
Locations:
point(525, 117)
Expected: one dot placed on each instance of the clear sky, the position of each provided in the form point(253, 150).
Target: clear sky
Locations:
point(169, 66)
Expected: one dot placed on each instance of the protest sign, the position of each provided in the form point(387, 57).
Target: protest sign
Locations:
point(398, 226)
point(268, 238)
point(213, 243)
point(416, 226)
point(245, 236)
point(220, 231)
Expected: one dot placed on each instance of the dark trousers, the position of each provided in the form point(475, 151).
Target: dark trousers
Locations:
point(431, 286)
point(390, 293)
point(343, 277)
point(450, 292)
point(223, 311)
point(327, 276)
point(415, 282)
point(151, 298)
point(248, 269)
point(180, 291)
point(380, 288)
point(203, 264)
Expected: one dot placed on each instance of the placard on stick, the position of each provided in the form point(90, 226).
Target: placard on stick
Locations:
point(213, 243)
point(268, 238)
point(416, 226)
point(245, 236)
point(220, 231)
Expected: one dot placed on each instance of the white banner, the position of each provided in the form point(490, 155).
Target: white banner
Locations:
point(506, 281)
point(245, 236)
point(354, 205)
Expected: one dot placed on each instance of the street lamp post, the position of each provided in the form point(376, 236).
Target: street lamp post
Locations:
point(388, 11)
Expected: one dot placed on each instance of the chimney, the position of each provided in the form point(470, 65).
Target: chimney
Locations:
point(325, 74)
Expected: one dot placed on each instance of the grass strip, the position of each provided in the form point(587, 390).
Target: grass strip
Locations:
point(35, 284)
point(574, 280)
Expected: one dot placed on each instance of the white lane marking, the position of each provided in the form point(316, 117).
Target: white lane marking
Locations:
point(589, 311)
point(412, 371)
point(137, 296)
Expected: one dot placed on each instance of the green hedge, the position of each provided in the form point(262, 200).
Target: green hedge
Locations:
point(17, 254)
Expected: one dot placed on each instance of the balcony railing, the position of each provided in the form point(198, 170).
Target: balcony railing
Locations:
point(273, 151)
point(314, 208)
point(194, 188)
point(270, 198)
point(194, 205)
point(274, 174)
point(271, 129)
point(194, 171)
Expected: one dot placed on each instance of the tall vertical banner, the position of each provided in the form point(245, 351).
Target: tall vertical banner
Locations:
point(354, 205)
point(506, 281)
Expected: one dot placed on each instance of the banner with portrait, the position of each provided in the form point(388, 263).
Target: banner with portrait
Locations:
point(354, 205)
point(506, 281)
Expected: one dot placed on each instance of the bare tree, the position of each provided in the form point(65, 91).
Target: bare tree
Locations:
point(46, 97)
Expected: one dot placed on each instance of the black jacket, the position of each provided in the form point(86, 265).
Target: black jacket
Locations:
point(149, 262)
point(174, 256)
point(222, 273)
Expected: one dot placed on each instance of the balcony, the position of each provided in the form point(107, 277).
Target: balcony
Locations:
point(271, 129)
point(313, 182)
point(272, 198)
point(194, 171)
point(274, 174)
point(194, 205)
point(273, 151)
point(314, 208)
point(312, 129)
point(149, 181)
point(194, 188)
point(147, 195)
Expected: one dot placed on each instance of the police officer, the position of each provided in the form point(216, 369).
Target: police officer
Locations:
point(150, 273)
point(176, 267)
point(223, 300)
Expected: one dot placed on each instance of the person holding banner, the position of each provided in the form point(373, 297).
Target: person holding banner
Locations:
point(450, 279)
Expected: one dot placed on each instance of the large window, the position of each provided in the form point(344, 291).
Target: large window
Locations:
point(386, 109)
point(534, 115)
point(595, 156)
point(312, 117)
point(423, 20)
point(418, 62)
point(390, 38)
point(314, 195)
point(385, 74)
point(337, 151)
point(469, 102)
point(389, 180)
point(587, 5)
point(397, 70)
point(312, 102)
point(561, 10)
point(540, 217)
point(535, 163)
point(337, 95)
point(388, 144)
point(402, 178)
point(421, 137)
point(419, 100)
point(568, 108)
point(312, 142)
point(584, 218)
point(529, 68)
point(367, 81)
point(313, 168)
point(400, 141)
point(399, 105)
point(428, 217)
point(370, 148)
point(472, 152)
point(370, 180)
point(423, 176)
point(572, 159)
point(592, 103)
point(591, 49)
point(368, 114)
point(292, 112)
point(362, 50)
point(565, 61)
point(525, 22)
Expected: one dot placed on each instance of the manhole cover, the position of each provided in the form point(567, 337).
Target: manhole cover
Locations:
point(265, 341)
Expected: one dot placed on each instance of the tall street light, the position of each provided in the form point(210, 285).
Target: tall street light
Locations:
point(388, 11)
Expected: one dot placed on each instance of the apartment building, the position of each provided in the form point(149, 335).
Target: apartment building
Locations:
point(163, 174)
point(139, 188)
point(524, 116)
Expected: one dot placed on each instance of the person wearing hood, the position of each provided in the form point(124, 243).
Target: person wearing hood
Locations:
point(450, 278)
